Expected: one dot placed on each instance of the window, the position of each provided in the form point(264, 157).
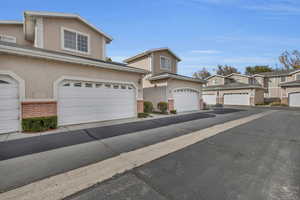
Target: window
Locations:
point(165, 63)
point(98, 85)
point(298, 77)
point(66, 85)
point(3, 82)
point(282, 79)
point(77, 84)
point(88, 85)
point(116, 87)
point(123, 87)
point(75, 41)
point(107, 85)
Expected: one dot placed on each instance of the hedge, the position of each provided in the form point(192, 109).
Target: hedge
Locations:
point(38, 124)
point(173, 112)
point(143, 115)
point(148, 107)
point(162, 106)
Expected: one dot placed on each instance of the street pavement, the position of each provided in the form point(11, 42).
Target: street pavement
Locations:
point(27, 160)
point(259, 160)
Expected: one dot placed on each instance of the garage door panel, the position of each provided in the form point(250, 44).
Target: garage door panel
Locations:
point(209, 99)
point(237, 99)
point(294, 99)
point(9, 107)
point(186, 100)
point(82, 105)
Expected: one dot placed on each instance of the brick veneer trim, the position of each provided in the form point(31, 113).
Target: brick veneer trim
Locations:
point(39, 109)
point(170, 104)
point(140, 106)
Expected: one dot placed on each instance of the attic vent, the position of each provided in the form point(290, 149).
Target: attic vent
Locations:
point(7, 38)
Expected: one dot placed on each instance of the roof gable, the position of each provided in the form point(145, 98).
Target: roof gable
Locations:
point(29, 14)
point(148, 52)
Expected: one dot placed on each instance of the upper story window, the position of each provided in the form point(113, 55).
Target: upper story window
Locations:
point(298, 77)
point(165, 63)
point(283, 79)
point(75, 41)
point(215, 82)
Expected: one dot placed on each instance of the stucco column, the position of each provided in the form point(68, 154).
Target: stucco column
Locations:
point(140, 106)
point(170, 104)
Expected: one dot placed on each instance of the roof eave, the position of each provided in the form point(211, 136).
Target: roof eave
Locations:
point(68, 59)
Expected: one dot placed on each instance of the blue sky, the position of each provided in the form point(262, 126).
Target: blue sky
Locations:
point(204, 33)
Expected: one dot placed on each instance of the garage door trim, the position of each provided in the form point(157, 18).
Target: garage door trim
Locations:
point(21, 89)
point(189, 88)
point(84, 79)
point(289, 99)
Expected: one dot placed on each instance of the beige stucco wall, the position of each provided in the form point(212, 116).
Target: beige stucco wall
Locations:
point(259, 96)
point(174, 84)
point(15, 30)
point(294, 76)
point(218, 81)
point(142, 62)
point(53, 40)
point(155, 95)
point(240, 79)
point(39, 75)
point(156, 62)
point(286, 91)
point(259, 80)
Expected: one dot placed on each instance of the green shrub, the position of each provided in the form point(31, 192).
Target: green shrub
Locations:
point(148, 107)
point(277, 104)
point(162, 106)
point(38, 124)
point(143, 115)
point(173, 112)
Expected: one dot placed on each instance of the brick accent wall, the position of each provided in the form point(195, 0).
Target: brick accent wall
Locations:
point(220, 100)
point(39, 109)
point(140, 106)
point(285, 100)
point(170, 104)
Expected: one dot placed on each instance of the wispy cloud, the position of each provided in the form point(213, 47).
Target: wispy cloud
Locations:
point(205, 51)
point(254, 60)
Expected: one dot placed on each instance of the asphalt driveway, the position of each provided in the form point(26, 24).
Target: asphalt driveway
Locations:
point(27, 160)
point(259, 160)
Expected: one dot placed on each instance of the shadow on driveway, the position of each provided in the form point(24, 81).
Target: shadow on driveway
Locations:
point(22, 147)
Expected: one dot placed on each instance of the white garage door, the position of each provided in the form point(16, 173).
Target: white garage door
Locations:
point(82, 102)
point(294, 99)
point(9, 105)
point(210, 99)
point(186, 100)
point(237, 99)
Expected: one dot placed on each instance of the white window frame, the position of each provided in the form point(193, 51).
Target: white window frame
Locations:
point(62, 36)
point(165, 57)
point(8, 38)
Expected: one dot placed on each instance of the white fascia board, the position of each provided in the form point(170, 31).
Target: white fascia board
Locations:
point(56, 57)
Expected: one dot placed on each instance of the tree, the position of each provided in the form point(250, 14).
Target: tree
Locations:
point(225, 70)
point(108, 59)
point(202, 74)
point(257, 69)
point(290, 60)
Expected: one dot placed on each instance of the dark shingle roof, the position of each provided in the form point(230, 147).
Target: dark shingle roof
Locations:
point(278, 73)
point(176, 76)
point(232, 86)
point(291, 83)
